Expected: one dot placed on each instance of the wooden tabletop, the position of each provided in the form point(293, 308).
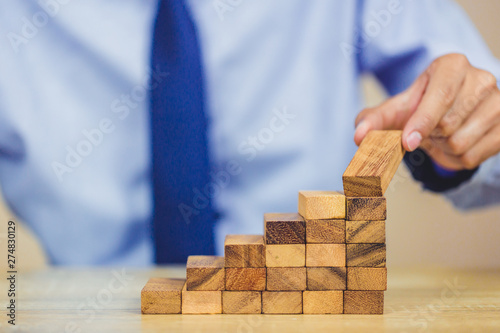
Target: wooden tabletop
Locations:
point(108, 300)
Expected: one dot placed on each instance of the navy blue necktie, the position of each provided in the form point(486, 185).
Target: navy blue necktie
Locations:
point(181, 226)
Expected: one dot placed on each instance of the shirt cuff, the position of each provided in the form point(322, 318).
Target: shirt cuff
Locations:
point(432, 176)
point(443, 172)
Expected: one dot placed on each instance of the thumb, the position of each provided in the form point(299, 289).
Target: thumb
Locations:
point(393, 113)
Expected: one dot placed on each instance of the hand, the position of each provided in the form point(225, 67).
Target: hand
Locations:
point(452, 111)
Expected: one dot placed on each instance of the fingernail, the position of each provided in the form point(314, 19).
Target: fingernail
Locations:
point(413, 140)
point(362, 127)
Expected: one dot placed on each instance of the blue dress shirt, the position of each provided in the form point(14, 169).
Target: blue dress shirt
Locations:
point(282, 83)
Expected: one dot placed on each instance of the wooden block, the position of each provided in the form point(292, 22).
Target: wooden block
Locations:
point(366, 255)
point(374, 164)
point(365, 231)
point(366, 209)
point(323, 302)
point(286, 255)
point(329, 255)
point(367, 278)
point(201, 302)
point(286, 278)
point(326, 278)
point(284, 228)
point(325, 231)
point(320, 205)
point(162, 296)
point(242, 302)
point(205, 273)
point(363, 302)
point(282, 302)
point(241, 279)
point(244, 251)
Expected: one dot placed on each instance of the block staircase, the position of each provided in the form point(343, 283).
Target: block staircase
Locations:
point(329, 258)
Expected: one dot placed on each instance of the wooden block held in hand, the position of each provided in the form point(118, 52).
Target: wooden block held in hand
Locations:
point(241, 302)
point(374, 164)
point(366, 209)
point(367, 278)
point(366, 255)
point(205, 273)
point(326, 278)
point(363, 302)
point(242, 279)
point(365, 231)
point(284, 228)
point(282, 302)
point(320, 205)
point(325, 231)
point(286, 278)
point(162, 296)
point(286, 255)
point(325, 255)
point(201, 302)
point(244, 251)
point(323, 302)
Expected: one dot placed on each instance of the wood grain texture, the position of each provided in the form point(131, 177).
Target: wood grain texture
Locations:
point(326, 278)
point(282, 302)
point(319, 205)
point(205, 273)
point(323, 302)
point(286, 278)
point(365, 231)
point(241, 279)
point(325, 231)
point(367, 278)
point(51, 301)
point(366, 209)
point(286, 255)
point(363, 302)
point(374, 164)
point(244, 251)
point(241, 302)
point(284, 228)
point(201, 302)
point(329, 255)
point(162, 296)
point(366, 255)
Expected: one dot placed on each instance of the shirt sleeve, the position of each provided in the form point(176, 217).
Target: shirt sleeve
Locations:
point(396, 41)
point(431, 175)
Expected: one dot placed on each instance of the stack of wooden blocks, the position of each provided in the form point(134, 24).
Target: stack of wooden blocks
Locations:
point(330, 258)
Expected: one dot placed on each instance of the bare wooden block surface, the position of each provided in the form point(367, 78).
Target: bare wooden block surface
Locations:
point(365, 231)
point(329, 255)
point(326, 278)
point(241, 302)
point(162, 296)
point(366, 255)
point(241, 279)
point(244, 251)
point(323, 302)
point(374, 164)
point(286, 255)
point(363, 302)
point(325, 231)
point(201, 302)
point(364, 208)
point(205, 273)
point(284, 228)
point(367, 278)
point(282, 302)
point(318, 205)
point(286, 278)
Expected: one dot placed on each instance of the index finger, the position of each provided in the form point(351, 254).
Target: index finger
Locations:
point(446, 77)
